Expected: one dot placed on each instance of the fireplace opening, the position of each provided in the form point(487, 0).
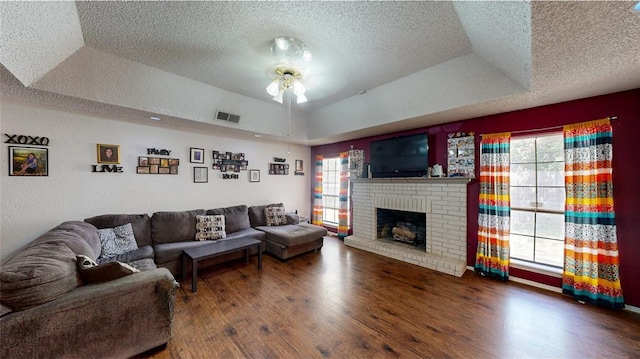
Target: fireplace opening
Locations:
point(402, 227)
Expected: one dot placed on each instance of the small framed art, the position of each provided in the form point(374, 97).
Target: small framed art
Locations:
point(254, 175)
point(200, 174)
point(108, 153)
point(197, 155)
point(28, 161)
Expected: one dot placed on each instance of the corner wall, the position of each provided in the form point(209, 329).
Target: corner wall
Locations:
point(31, 206)
point(626, 171)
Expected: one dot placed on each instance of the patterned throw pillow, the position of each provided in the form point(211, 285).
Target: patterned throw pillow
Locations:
point(274, 216)
point(117, 240)
point(210, 227)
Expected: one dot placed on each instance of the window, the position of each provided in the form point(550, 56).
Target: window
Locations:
point(537, 199)
point(331, 190)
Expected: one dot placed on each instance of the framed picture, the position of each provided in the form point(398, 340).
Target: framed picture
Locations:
point(164, 170)
point(108, 153)
point(28, 161)
point(299, 165)
point(143, 161)
point(154, 160)
point(164, 162)
point(142, 169)
point(200, 175)
point(197, 155)
point(215, 155)
point(254, 175)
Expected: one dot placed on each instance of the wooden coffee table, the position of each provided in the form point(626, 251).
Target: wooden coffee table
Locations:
point(216, 249)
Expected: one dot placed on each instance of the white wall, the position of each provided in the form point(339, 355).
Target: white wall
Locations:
point(31, 206)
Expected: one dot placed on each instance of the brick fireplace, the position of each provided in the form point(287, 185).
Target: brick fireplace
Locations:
point(442, 201)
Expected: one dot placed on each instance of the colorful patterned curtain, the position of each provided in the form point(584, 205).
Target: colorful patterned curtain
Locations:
point(343, 204)
point(317, 193)
point(591, 268)
point(492, 256)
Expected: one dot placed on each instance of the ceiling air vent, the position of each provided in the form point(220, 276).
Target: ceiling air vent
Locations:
point(223, 116)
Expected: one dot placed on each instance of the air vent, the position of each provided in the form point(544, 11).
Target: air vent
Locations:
point(223, 116)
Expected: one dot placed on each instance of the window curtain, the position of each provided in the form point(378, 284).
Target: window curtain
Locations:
point(591, 268)
point(317, 193)
point(343, 205)
point(492, 256)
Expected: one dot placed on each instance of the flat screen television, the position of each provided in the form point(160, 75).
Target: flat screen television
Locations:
point(404, 156)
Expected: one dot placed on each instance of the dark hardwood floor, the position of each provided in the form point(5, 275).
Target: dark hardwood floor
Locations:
point(347, 303)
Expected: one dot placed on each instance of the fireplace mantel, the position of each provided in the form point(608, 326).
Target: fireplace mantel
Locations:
point(443, 200)
point(463, 180)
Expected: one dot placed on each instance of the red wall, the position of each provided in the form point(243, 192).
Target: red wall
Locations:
point(626, 170)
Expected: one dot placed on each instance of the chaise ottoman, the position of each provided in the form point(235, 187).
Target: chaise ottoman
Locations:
point(292, 239)
point(287, 240)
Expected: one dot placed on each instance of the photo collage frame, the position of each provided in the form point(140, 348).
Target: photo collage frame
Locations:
point(157, 165)
point(229, 162)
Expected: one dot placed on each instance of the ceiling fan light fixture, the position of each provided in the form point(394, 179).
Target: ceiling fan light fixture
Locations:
point(289, 73)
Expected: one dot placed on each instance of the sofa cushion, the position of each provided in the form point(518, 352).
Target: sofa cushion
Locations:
point(248, 233)
point(236, 218)
point(117, 240)
point(168, 227)
point(210, 227)
point(256, 214)
point(38, 274)
point(141, 224)
point(145, 252)
point(274, 216)
point(80, 237)
point(94, 273)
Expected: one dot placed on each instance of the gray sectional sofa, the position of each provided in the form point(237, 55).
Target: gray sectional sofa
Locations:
point(48, 309)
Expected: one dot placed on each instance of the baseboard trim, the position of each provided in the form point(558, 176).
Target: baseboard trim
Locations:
point(628, 307)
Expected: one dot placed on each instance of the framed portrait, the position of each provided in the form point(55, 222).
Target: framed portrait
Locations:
point(164, 162)
point(28, 161)
point(174, 170)
point(174, 161)
point(254, 175)
point(143, 161)
point(164, 170)
point(108, 153)
point(215, 155)
point(200, 175)
point(197, 155)
point(299, 166)
point(142, 169)
point(153, 169)
point(154, 160)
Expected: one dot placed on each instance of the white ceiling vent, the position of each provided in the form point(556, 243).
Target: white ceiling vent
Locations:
point(223, 116)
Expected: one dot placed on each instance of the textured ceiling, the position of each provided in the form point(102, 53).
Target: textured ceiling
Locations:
point(355, 45)
point(421, 63)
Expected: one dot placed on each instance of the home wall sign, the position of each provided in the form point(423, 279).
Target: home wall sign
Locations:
point(27, 140)
point(229, 162)
point(230, 176)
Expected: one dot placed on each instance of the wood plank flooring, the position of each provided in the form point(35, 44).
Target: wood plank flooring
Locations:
point(346, 303)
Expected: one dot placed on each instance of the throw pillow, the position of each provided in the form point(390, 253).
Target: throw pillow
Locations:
point(275, 216)
point(210, 227)
point(117, 240)
point(90, 272)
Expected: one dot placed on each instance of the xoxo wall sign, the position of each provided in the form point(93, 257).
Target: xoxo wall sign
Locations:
point(27, 140)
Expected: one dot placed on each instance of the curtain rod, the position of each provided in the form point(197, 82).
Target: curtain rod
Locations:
point(550, 128)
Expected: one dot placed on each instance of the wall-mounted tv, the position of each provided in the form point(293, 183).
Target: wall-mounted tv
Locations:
point(404, 156)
